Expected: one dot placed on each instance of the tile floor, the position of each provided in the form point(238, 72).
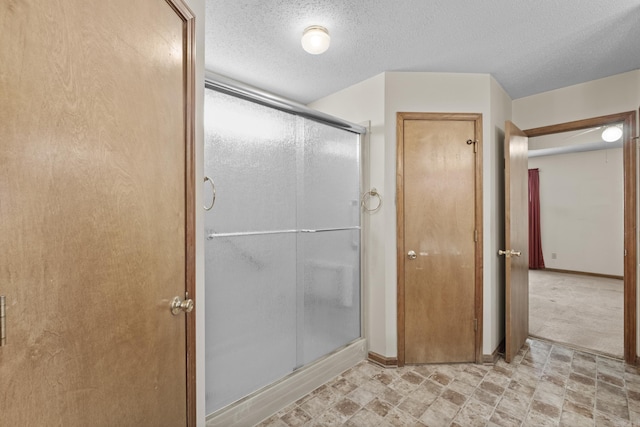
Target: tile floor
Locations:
point(546, 385)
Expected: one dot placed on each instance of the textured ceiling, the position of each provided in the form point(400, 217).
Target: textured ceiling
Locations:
point(528, 46)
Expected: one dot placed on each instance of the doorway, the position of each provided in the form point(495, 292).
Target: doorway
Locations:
point(439, 211)
point(629, 271)
point(576, 281)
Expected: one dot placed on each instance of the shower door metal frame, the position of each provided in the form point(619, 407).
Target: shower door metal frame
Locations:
point(240, 90)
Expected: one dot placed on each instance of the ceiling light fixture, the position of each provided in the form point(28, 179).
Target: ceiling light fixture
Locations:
point(315, 39)
point(611, 133)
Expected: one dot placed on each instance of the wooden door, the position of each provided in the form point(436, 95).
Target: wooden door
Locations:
point(96, 212)
point(438, 217)
point(516, 192)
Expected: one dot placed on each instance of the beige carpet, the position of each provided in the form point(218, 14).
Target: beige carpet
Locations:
point(581, 311)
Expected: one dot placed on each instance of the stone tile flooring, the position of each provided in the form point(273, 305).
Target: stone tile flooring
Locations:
point(546, 385)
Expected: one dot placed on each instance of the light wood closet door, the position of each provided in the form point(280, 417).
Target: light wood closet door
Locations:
point(95, 211)
point(438, 255)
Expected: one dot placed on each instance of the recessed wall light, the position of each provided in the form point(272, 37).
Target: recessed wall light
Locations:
point(612, 133)
point(315, 39)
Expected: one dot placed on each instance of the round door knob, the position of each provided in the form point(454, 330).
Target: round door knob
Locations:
point(178, 306)
point(412, 255)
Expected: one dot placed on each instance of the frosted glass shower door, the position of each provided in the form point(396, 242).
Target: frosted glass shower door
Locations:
point(282, 248)
point(250, 248)
point(329, 242)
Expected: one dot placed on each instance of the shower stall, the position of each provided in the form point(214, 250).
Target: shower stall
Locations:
point(282, 246)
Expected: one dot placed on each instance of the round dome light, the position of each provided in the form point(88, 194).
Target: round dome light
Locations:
point(611, 133)
point(315, 39)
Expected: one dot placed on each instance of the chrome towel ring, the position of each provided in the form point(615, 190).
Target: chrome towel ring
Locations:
point(213, 190)
point(366, 197)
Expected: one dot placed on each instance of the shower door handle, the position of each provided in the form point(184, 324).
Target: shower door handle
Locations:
point(213, 191)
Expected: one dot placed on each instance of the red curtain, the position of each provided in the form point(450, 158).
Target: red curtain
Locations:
point(536, 260)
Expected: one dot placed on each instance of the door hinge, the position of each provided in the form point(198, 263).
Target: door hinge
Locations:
point(3, 326)
point(625, 252)
point(475, 325)
point(475, 236)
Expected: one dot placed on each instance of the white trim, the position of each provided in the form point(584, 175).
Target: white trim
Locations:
point(271, 399)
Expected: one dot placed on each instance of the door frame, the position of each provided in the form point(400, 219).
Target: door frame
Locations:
point(630, 211)
point(400, 119)
point(189, 39)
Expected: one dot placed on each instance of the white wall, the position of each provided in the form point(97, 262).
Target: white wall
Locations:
point(600, 97)
point(581, 210)
point(420, 92)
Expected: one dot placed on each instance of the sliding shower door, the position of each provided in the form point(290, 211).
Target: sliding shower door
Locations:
point(329, 243)
point(282, 250)
point(250, 249)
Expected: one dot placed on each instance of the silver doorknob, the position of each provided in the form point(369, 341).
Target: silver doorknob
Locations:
point(509, 253)
point(412, 255)
point(178, 306)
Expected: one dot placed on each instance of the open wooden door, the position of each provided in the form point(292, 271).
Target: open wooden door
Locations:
point(516, 249)
point(96, 213)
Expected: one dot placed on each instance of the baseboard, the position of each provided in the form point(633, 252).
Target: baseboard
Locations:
point(382, 360)
point(269, 400)
point(492, 358)
point(584, 273)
